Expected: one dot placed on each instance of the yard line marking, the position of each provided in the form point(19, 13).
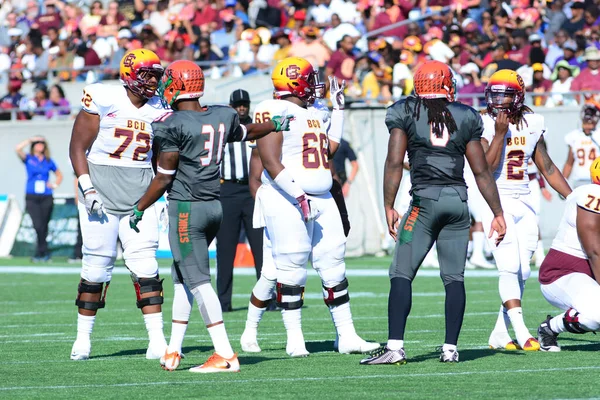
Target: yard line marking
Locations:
point(375, 273)
point(300, 379)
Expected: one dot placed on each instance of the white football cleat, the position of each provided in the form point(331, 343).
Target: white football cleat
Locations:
point(249, 342)
point(296, 349)
point(355, 345)
point(81, 350)
point(480, 262)
point(156, 351)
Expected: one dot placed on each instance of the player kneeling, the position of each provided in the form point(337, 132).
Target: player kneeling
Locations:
point(568, 271)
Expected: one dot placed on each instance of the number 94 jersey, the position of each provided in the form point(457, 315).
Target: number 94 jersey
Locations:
point(305, 146)
point(512, 174)
point(584, 150)
point(125, 135)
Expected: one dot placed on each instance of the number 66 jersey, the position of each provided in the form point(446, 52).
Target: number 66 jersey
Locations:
point(120, 157)
point(512, 175)
point(304, 151)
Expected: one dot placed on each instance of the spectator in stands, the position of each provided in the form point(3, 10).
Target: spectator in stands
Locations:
point(576, 22)
point(37, 103)
point(320, 13)
point(402, 77)
point(555, 50)
point(92, 19)
point(51, 19)
point(224, 38)
point(378, 81)
point(205, 16)
point(499, 60)
point(63, 60)
point(57, 106)
point(311, 47)
point(562, 77)
point(570, 54)
point(282, 39)
point(555, 17)
point(471, 85)
point(112, 20)
point(41, 60)
point(391, 14)
point(178, 48)
point(124, 43)
point(38, 199)
point(520, 49)
point(338, 31)
point(591, 17)
point(589, 78)
point(11, 26)
point(341, 64)
point(205, 52)
point(13, 100)
point(72, 18)
point(539, 85)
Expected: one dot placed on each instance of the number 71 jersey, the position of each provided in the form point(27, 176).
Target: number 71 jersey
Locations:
point(512, 174)
point(305, 146)
point(125, 135)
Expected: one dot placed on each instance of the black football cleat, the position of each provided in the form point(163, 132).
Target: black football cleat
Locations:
point(449, 356)
point(547, 337)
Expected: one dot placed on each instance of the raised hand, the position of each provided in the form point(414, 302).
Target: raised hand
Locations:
point(336, 93)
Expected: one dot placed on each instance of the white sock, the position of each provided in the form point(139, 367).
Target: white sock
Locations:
point(342, 319)
point(540, 254)
point(470, 247)
point(182, 303)
point(218, 335)
point(154, 326)
point(557, 324)
point(394, 344)
point(448, 347)
point(478, 244)
point(502, 322)
point(292, 320)
point(254, 316)
point(85, 325)
point(518, 324)
point(177, 335)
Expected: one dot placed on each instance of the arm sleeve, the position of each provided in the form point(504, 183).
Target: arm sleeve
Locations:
point(166, 137)
point(89, 101)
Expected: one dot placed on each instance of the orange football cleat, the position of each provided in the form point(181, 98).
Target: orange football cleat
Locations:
point(170, 361)
point(531, 345)
point(216, 363)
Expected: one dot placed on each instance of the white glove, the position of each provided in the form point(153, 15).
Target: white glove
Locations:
point(336, 93)
point(164, 218)
point(93, 203)
point(308, 209)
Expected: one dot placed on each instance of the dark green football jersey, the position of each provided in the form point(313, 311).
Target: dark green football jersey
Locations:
point(435, 161)
point(199, 137)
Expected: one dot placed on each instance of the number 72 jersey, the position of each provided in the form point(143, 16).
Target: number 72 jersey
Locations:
point(125, 135)
point(512, 174)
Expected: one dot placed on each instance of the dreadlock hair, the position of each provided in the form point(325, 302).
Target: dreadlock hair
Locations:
point(438, 115)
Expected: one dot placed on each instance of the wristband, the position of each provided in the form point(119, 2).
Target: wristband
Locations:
point(137, 212)
point(286, 183)
point(336, 126)
point(85, 183)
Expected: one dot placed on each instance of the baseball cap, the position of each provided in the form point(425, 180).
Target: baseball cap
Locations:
point(124, 34)
point(230, 3)
point(15, 32)
point(578, 5)
point(239, 96)
point(591, 54)
point(570, 45)
point(537, 67)
point(300, 15)
point(534, 37)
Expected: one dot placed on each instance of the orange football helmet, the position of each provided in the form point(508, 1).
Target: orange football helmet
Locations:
point(505, 91)
point(137, 69)
point(294, 76)
point(182, 80)
point(434, 80)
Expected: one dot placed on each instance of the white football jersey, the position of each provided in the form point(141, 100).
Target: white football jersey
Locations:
point(584, 151)
point(305, 146)
point(125, 136)
point(567, 240)
point(512, 174)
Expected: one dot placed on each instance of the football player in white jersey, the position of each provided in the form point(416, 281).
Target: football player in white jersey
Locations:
point(584, 146)
point(537, 186)
point(570, 274)
point(111, 153)
point(512, 136)
point(294, 205)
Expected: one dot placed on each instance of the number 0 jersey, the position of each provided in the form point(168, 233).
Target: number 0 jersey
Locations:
point(584, 152)
point(512, 174)
point(435, 162)
point(305, 146)
point(566, 239)
point(125, 135)
point(199, 138)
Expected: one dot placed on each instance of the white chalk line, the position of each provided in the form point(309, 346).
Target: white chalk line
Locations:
point(301, 379)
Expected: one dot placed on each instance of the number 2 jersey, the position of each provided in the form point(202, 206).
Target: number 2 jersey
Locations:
point(305, 146)
point(584, 152)
point(120, 157)
point(512, 174)
point(435, 162)
point(199, 138)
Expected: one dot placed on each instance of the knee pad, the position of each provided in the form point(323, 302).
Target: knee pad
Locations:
point(90, 287)
point(97, 268)
point(572, 323)
point(337, 295)
point(290, 297)
point(147, 285)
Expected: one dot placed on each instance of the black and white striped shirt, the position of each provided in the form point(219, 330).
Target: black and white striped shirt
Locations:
point(235, 165)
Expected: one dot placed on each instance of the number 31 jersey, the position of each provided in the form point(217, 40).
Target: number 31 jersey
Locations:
point(305, 146)
point(125, 135)
point(512, 175)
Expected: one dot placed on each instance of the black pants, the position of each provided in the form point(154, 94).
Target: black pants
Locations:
point(39, 207)
point(238, 207)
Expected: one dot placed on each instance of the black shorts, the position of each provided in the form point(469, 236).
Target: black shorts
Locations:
point(192, 227)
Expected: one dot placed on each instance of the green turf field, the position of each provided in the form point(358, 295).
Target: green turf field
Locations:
point(37, 328)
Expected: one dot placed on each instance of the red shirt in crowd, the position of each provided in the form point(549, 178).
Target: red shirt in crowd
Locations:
point(586, 80)
point(48, 21)
point(342, 65)
point(392, 15)
point(205, 16)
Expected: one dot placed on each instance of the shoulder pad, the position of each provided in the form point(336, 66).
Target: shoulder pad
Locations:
point(164, 117)
point(588, 197)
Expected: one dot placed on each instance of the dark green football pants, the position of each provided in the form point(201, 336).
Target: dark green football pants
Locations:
point(445, 221)
point(192, 227)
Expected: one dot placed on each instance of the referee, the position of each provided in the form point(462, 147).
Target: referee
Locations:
point(238, 206)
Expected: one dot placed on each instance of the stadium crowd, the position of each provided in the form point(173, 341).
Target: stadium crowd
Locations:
point(554, 45)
